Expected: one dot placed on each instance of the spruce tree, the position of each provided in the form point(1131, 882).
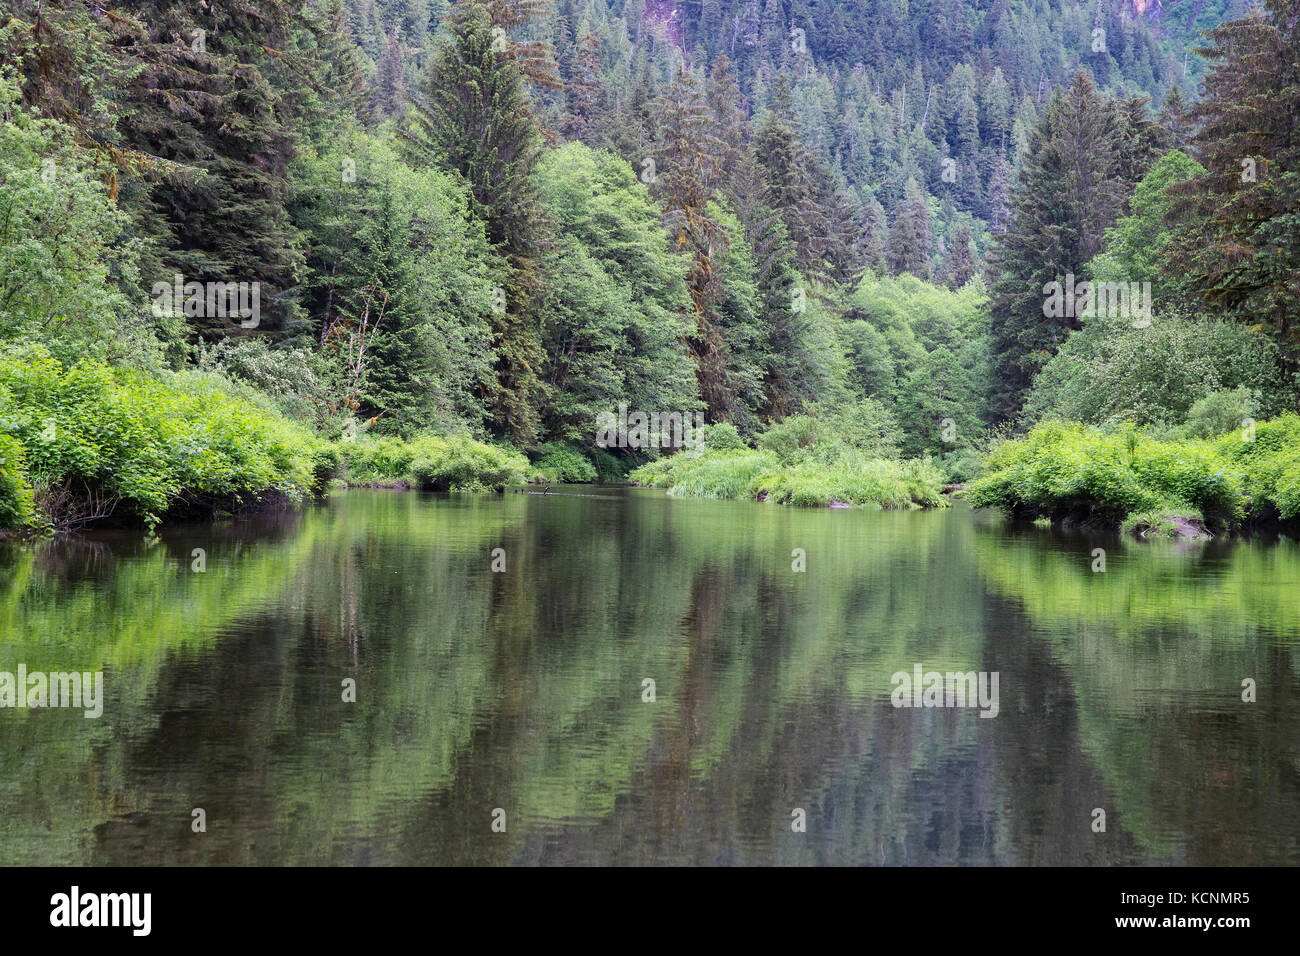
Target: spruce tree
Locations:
point(959, 268)
point(213, 100)
point(908, 248)
point(475, 119)
point(1069, 194)
point(1238, 236)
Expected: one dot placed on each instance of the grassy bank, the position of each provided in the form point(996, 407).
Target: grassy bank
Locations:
point(88, 443)
point(1071, 473)
point(432, 463)
point(798, 463)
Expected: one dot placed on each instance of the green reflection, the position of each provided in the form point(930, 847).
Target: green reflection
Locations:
point(523, 689)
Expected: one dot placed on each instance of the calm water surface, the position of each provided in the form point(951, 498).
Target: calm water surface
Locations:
point(523, 690)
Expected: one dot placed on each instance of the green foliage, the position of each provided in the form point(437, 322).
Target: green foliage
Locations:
point(793, 438)
point(804, 461)
point(1136, 247)
point(401, 270)
point(1078, 473)
point(63, 245)
point(1269, 455)
point(922, 351)
point(722, 474)
point(1085, 155)
point(1234, 243)
point(722, 437)
point(17, 505)
point(433, 463)
point(614, 309)
point(1167, 522)
point(1110, 371)
point(101, 441)
point(765, 476)
point(474, 119)
point(610, 469)
point(885, 484)
point(564, 464)
point(1220, 412)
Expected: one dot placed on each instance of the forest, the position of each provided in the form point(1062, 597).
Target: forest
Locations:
point(1038, 253)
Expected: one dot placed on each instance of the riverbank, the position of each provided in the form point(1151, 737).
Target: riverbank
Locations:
point(847, 480)
point(1077, 475)
point(91, 444)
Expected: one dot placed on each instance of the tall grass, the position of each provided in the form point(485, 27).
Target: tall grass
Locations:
point(766, 475)
point(433, 463)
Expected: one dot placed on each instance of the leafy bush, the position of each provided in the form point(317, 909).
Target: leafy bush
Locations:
point(1269, 455)
point(722, 474)
point(722, 437)
point(1067, 471)
point(1110, 372)
point(69, 266)
point(1220, 412)
point(101, 441)
point(564, 464)
point(793, 438)
point(886, 484)
point(868, 426)
point(291, 378)
point(433, 463)
point(17, 507)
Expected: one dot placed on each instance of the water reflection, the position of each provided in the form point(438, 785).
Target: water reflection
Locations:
point(523, 690)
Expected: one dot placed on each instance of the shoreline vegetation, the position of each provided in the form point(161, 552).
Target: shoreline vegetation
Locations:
point(443, 263)
point(1072, 475)
point(91, 444)
point(801, 461)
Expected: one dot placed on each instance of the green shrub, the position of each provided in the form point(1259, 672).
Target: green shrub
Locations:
point(564, 464)
point(793, 438)
point(1220, 412)
point(102, 441)
point(1269, 455)
point(884, 484)
point(722, 437)
point(17, 506)
point(1066, 471)
point(869, 427)
point(433, 463)
point(763, 475)
point(723, 474)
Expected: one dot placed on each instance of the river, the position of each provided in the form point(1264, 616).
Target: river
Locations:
point(505, 716)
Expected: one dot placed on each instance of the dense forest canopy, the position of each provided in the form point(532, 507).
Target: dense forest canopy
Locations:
point(507, 217)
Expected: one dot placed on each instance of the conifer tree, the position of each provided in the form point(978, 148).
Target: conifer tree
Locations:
point(959, 267)
point(1238, 235)
point(475, 119)
point(1070, 192)
point(908, 248)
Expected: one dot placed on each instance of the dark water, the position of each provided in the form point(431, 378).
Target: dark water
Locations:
point(522, 690)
